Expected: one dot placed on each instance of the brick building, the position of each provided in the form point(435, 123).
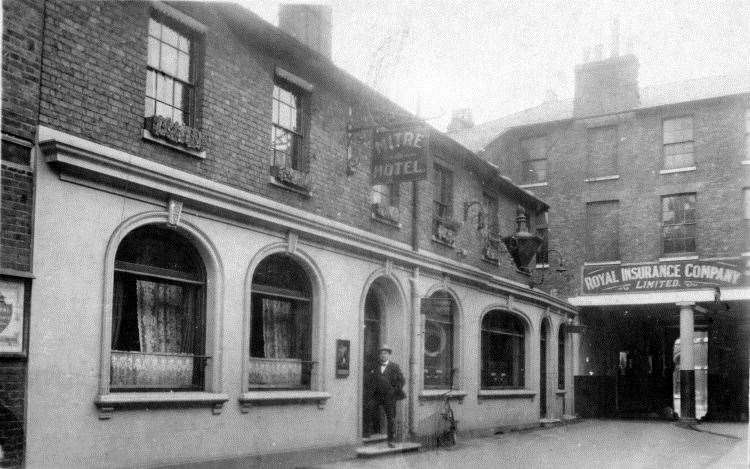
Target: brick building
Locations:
point(649, 189)
point(212, 269)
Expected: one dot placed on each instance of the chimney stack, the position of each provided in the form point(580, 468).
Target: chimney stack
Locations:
point(461, 120)
point(309, 24)
point(606, 86)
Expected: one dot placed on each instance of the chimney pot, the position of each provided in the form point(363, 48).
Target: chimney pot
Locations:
point(461, 119)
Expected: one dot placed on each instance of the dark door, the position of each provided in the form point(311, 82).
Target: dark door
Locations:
point(370, 358)
point(543, 371)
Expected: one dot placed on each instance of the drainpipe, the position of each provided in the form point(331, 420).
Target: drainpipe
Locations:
point(413, 334)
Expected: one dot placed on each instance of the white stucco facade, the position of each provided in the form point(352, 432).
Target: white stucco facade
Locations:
point(85, 205)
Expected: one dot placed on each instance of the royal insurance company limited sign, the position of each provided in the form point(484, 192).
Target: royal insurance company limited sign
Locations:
point(656, 276)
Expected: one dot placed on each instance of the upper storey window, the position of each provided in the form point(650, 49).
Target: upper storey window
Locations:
point(287, 137)
point(534, 157)
point(170, 76)
point(602, 151)
point(678, 223)
point(678, 143)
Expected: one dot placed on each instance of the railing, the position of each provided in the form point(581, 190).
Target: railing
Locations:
point(159, 371)
point(279, 373)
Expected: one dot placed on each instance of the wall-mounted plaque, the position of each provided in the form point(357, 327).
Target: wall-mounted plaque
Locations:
point(342, 358)
point(12, 302)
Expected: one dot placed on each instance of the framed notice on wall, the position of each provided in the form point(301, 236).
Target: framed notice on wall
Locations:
point(342, 358)
point(12, 316)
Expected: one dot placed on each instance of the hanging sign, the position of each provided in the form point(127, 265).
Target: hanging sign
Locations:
point(400, 155)
point(655, 276)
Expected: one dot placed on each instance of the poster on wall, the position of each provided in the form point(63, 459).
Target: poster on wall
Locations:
point(342, 358)
point(12, 294)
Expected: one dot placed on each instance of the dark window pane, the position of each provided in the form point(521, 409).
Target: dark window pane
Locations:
point(602, 149)
point(15, 153)
point(603, 233)
point(439, 311)
point(678, 223)
point(502, 343)
point(281, 325)
point(157, 315)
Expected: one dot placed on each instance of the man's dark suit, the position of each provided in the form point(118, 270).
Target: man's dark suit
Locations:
point(384, 390)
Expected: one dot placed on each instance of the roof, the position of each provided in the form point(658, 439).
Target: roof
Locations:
point(279, 44)
point(478, 137)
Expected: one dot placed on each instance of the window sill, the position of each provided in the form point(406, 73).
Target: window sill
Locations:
point(678, 258)
point(489, 260)
point(603, 263)
point(602, 178)
point(107, 403)
point(541, 266)
point(275, 182)
point(677, 170)
point(745, 163)
point(437, 240)
point(282, 398)
point(386, 221)
point(560, 392)
point(505, 393)
point(439, 394)
point(533, 184)
point(148, 137)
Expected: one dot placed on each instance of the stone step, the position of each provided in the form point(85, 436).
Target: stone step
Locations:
point(547, 423)
point(382, 449)
point(374, 438)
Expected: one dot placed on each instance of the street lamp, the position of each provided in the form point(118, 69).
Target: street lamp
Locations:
point(538, 275)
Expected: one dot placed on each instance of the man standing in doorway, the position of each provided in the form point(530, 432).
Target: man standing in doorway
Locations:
point(385, 383)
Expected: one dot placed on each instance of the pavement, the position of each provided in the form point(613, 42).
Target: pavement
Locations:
point(587, 444)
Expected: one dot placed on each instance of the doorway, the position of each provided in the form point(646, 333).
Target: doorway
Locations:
point(372, 334)
point(543, 369)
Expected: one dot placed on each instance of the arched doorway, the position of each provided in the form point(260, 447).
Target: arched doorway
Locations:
point(383, 322)
point(543, 340)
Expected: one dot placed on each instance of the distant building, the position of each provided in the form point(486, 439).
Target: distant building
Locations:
point(208, 247)
point(650, 196)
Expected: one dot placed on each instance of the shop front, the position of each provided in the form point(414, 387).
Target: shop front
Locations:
point(666, 339)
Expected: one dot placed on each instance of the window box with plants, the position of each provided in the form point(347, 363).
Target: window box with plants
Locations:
point(384, 212)
point(292, 177)
point(446, 230)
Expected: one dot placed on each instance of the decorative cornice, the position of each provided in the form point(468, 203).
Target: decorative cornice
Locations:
point(89, 160)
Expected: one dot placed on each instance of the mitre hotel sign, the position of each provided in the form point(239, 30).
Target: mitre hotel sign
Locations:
point(676, 275)
point(400, 155)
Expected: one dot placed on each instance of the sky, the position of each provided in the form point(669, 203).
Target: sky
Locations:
point(499, 57)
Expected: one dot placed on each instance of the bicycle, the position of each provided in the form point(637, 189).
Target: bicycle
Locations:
point(447, 437)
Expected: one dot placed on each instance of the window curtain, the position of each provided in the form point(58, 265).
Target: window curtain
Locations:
point(165, 318)
point(117, 311)
point(278, 329)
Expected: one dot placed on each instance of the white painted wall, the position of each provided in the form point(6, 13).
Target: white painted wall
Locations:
point(73, 226)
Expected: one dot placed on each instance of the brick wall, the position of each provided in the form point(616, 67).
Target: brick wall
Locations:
point(22, 46)
point(12, 397)
point(22, 34)
point(717, 180)
point(15, 217)
point(94, 82)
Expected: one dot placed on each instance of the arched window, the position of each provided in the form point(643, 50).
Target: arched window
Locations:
point(158, 313)
point(561, 358)
point(281, 325)
point(439, 310)
point(503, 350)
